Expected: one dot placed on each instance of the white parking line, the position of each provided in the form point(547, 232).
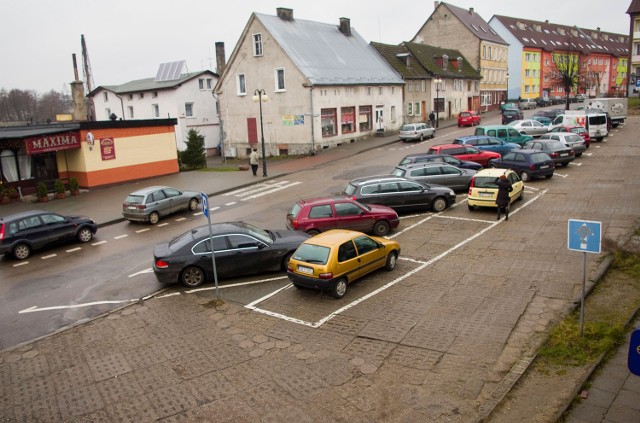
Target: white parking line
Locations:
point(163, 224)
point(148, 270)
point(142, 230)
point(48, 257)
point(22, 263)
point(231, 203)
point(120, 236)
point(560, 175)
point(74, 249)
point(233, 285)
point(575, 164)
point(260, 194)
point(99, 243)
point(180, 219)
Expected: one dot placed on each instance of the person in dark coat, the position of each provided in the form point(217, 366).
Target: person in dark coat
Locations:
point(502, 200)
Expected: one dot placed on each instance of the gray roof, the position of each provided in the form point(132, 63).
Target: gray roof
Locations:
point(475, 24)
point(36, 130)
point(149, 84)
point(326, 56)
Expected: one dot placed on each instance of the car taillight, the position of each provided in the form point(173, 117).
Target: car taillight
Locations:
point(1, 232)
point(327, 275)
point(161, 264)
point(553, 154)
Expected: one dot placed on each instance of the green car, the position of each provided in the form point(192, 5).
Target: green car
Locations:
point(506, 106)
point(504, 132)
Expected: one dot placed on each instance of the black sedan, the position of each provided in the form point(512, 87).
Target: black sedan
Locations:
point(527, 163)
point(21, 233)
point(239, 248)
point(559, 153)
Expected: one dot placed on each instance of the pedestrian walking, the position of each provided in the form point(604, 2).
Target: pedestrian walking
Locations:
point(432, 119)
point(503, 200)
point(254, 161)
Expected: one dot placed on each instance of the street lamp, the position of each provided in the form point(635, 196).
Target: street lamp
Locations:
point(438, 81)
point(260, 96)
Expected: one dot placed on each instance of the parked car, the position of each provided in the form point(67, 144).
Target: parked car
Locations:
point(542, 101)
point(559, 153)
point(484, 191)
point(332, 260)
point(527, 103)
point(439, 158)
point(464, 152)
point(504, 132)
point(509, 105)
point(469, 118)
point(487, 143)
point(437, 173)
point(580, 130)
point(509, 115)
point(240, 248)
point(151, 203)
point(317, 215)
point(21, 233)
point(417, 131)
point(546, 121)
point(530, 127)
point(571, 140)
point(401, 194)
point(528, 164)
point(551, 114)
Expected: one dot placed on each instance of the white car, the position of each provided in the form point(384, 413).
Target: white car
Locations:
point(417, 131)
point(529, 127)
point(527, 103)
point(571, 140)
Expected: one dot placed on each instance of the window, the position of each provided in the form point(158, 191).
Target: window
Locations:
point(105, 95)
point(328, 122)
point(130, 112)
point(188, 109)
point(241, 84)
point(280, 80)
point(156, 110)
point(527, 57)
point(141, 95)
point(107, 113)
point(416, 108)
point(348, 118)
point(347, 209)
point(201, 83)
point(257, 44)
point(130, 96)
point(393, 114)
point(410, 109)
point(364, 118)
point(346, 251)
point(320, 211)
point(527, 72)
point(154, 94)
point(380, 90)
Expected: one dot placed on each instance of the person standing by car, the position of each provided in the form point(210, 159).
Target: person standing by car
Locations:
point(254, 161)
point(503, 200)
point(432, 119)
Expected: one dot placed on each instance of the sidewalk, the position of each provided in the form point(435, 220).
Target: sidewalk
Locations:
point(153, 360)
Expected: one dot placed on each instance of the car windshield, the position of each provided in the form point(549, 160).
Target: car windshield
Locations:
point(465, 114)
point(485, 182)
point(555, 145)
point(597, 120)
point(310, 253)
point(405, 161)
point(398, 172)
point(350, 189)
point(134, 199)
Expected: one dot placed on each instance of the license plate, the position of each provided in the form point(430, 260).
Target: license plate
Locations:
point(485, 194)
point(544, 167)
point(304, 269)
point(564, 154)
point(132, 208)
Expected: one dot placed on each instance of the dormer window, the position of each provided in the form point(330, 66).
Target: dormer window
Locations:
point(445, 61)
point(404, 58)
point(459, 59)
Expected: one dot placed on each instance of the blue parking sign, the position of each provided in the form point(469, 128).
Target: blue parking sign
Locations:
point(205, 204)
point(634, 353)
point(584, 235)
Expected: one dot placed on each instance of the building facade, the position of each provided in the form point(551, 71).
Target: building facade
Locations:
point(464, 30)
point(323, 86)
point(634, 47)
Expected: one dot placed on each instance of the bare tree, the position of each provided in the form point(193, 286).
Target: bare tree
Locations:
point(26, 107)
point(51, 104)
point(568, 72)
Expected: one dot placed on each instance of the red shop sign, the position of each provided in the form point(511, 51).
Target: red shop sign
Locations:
point(55, 142)
point(107, 148)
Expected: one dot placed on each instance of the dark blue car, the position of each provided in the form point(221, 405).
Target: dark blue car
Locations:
point(487, 143)
point(527, 163)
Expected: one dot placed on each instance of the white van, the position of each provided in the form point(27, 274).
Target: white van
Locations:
point(594, 122)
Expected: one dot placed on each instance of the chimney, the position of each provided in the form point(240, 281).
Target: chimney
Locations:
point(284, 13)
point(471, 10)
point(220, 58)
point(436, 4)
point(345, 26)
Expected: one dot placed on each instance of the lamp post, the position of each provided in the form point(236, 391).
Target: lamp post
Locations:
point(260, 95)
point(506, 97)
point(438, 81)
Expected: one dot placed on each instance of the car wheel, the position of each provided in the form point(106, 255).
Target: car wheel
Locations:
point(154, 218)
point(578, 154)
point(193, 204)
point(433, 134)
point(392, 260)
point(339, 288)
point(525, 176)
point(471, 208)
point(85, 235)
point(439, 204)
point(491, 165)
point(381, 228)
point(549, 176)
point(192, 276)
point(421, 137)
point(313, 232)
point(21, 251)
point(565, 164)
point(297, 286)
point(285, 260)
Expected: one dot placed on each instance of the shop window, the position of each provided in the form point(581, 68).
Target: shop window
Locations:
point(348, 119)
point(328, 122)
point(364, 118)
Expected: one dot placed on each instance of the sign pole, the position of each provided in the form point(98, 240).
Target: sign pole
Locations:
point(205, 210)
point(584, 281)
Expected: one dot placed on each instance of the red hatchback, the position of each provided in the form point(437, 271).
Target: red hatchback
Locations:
point(468, 118)
point(465, 152)
point(580, 130)
point(317, 215)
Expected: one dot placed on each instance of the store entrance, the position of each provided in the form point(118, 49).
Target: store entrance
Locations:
point(46, 168)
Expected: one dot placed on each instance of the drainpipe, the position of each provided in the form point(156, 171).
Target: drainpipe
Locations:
point(313, 145)
point(121, 106)
point(224, 158)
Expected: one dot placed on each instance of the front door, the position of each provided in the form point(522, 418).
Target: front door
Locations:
point(379, 118)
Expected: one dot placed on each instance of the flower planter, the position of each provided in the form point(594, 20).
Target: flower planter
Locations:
point(60, 195)
point(43, 199)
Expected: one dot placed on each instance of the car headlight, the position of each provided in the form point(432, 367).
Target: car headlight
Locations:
point(451, 192)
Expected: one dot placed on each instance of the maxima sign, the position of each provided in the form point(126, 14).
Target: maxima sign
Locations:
point(47, 143)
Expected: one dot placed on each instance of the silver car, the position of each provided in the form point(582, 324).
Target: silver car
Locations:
point(416, 131)
point(436, 173)
point(571, 140)
point(529, 127)
point(151, 203)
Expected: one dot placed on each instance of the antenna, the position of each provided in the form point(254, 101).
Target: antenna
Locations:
point(88, 77)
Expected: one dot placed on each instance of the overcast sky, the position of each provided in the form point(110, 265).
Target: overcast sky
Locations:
point(127, 40)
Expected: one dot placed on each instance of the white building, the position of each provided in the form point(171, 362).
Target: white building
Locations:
point(187, 97)
point(324, 83)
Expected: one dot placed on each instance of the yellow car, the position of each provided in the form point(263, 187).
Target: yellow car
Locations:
point(483, 190)
point(333, 259)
